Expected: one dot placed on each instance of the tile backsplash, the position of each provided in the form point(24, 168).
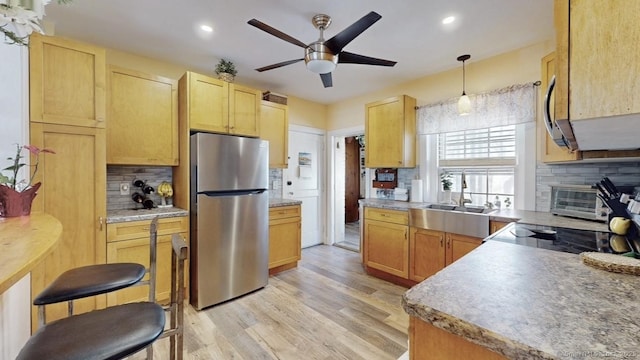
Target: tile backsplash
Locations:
point(620, 173)
point(152, 175)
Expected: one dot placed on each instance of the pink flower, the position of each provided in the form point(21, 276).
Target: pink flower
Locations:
point(16, 165)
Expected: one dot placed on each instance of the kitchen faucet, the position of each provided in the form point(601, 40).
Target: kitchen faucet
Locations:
point(463, 185)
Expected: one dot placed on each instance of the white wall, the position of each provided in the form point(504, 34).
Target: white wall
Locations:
point(15, 319)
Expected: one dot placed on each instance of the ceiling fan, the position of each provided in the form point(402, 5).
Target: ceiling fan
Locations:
point(322, 56)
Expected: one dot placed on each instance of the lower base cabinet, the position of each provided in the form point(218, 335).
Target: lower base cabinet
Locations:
point(129, 242)
point(285, 238)
point(386, 241)
point(430, 251)
point(429, 342)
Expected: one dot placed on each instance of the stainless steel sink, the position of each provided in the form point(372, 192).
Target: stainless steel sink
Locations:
point(468, 208)
point(470, 221)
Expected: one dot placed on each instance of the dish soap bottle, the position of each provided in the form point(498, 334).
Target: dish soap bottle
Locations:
point(496, 202)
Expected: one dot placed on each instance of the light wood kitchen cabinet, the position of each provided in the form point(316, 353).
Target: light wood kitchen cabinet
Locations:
point(284, 238)
point(386, 241)
point(74, 191)
point(427, 253)
point(430, 251)
point(549, 151)
point(429, 342)
point(274, 127)
point(390, 133)
point(129, 242)
point(459, 246)
point(596, 38)
point(495, 225)
point(143, 118)
point(213, 105)
point(66, 82)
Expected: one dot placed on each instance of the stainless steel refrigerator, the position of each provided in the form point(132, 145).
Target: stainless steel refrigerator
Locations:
point(229, 217)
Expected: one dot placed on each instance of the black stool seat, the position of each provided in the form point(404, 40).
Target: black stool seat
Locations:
point(111, 333)
point(89, 281)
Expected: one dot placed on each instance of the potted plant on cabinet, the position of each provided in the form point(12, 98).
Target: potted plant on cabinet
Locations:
point(445, 179)
point(226, 70)
point(16, 196)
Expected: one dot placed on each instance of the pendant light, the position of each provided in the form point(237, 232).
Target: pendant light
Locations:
point(464, 104)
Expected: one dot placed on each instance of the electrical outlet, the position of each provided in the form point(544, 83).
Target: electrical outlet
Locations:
point(125, 188)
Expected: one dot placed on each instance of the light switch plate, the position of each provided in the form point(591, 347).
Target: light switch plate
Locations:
point(125, 188)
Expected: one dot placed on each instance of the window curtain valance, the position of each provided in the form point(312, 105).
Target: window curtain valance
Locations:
point(514, 104)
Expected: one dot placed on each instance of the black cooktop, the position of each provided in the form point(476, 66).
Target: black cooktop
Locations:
point(564, 239)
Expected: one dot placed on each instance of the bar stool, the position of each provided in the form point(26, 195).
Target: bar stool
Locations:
point(117, 331)
point(98, 279)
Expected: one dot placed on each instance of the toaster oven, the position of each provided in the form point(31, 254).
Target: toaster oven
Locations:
point(579, 201)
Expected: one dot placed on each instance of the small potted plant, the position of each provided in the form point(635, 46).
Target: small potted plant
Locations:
point(16, 196)
point(226, 70)
point(445, 179)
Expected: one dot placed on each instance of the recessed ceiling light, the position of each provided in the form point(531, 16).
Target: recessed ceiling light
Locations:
point(206, 28)
point(448, 20)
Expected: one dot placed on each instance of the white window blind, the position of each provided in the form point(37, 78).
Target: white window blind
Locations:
point(495, 146)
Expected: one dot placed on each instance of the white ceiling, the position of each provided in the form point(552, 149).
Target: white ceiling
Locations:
point(410, 32)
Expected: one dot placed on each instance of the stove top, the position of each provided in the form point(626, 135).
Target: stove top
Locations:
point(564, 239)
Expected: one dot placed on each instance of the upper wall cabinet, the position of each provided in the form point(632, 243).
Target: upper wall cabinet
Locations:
point(67, 82)
point(217, 106)
point(597, 40)
point(274, 127)
point(390, 133)
point(143, 119)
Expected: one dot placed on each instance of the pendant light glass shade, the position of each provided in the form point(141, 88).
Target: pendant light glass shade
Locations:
point(464, 103)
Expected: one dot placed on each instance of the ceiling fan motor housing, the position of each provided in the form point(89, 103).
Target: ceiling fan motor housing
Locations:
point(319, 58)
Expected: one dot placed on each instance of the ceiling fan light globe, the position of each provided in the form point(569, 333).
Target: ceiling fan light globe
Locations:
point(321, 66)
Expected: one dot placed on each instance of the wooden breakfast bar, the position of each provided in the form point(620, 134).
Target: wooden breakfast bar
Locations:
point(24, 242)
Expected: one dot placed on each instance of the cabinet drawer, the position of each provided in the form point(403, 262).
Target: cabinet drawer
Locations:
point(392, 216)
point(284, 212)
point(139, 229)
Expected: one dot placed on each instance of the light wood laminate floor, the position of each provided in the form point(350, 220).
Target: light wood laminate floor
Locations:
point(327, 308)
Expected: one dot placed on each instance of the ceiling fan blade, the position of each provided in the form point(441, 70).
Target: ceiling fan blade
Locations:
point(351, 58)
point(275, 32)
point(341, 39)
point(326, 80)
point(280, 64)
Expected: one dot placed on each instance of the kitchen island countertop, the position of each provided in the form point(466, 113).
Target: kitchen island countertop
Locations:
point(530, 303)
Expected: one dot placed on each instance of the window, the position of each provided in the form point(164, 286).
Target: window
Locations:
point(488, 159)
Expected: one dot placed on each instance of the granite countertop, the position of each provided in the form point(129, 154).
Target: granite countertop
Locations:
point(275, 202)
point(530, 303)
point(507, 215)
point(117, 216)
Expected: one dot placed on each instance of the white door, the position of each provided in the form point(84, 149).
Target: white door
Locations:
point(303, 181)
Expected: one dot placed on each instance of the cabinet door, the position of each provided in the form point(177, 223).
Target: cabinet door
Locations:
point(284, 241)
point(459, 246)
point(549, 150)
point(426, 251)
point(603, 67)
point(208, 103)
point(67, 82)
point(274, 127)
point(244, 110)
point(137, 251)
point(384, 134)
point(387, 247)
point(143, 119)
point(74, 191)
point(494, 226)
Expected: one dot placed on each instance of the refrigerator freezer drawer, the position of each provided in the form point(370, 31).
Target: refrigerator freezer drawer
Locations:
point(230, 246)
